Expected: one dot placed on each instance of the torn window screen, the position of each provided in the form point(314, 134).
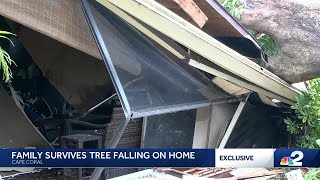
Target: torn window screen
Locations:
point(146, 80)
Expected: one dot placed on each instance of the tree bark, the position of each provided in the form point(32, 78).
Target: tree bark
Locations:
point(295, 25)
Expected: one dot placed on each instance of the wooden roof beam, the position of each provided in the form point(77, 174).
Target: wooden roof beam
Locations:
point(193, 11)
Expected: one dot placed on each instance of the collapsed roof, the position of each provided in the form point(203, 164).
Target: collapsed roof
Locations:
point(156, 59)
point(65, 22)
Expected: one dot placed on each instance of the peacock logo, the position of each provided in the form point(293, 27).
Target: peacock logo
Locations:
point(286, 161)
point(294, 159)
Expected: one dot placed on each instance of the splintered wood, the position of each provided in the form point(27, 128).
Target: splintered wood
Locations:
point(199, 172)
point(193, 11)
point(189, 7)
point(220, 173)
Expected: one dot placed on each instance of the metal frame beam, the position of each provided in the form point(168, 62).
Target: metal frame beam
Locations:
point(239, 82)
point(111, 145)
point(232, 124)
point(99, 104)
point(106, 57)
point(184, 107)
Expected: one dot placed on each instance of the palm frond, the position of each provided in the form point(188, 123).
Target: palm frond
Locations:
point(5, 59)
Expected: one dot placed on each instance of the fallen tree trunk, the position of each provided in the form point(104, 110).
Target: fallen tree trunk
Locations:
point(295, 25)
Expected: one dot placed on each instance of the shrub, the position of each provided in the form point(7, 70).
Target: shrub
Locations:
point(305, 131)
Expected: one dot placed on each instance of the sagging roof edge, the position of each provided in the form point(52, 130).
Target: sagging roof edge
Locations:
point(76, 23)
point(157, 16)
point(218, 7)
point(214, 4)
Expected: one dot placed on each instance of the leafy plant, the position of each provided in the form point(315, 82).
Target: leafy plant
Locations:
point(234, 7)
point(292, 127)
point(270, 46)
point(5, 59)
point(318, 142)
point(306, 129)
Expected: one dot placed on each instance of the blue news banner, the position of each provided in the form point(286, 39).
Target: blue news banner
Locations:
point(106, 158)
point(223, 158)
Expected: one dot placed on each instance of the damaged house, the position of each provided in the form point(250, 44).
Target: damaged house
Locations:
point(138, 74)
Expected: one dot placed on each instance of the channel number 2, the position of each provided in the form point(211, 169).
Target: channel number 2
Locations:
point(296, 156)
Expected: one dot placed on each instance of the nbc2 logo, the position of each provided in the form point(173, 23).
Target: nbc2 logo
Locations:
point(293, 160)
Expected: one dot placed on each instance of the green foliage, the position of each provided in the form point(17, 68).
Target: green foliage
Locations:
point(292, 127)
point(234, 7)
point(306, 130)
point(318, 142)
point(270, 46)
point(312, 174)
point(5, 59)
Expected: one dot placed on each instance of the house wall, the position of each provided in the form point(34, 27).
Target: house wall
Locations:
point(61, 20)
point(82, 79)
point(211, 123)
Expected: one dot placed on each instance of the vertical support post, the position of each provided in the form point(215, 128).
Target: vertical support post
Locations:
point(232, 124)
point(143, 134)
point(111, 145)
point(202, 127)
point(221, 117)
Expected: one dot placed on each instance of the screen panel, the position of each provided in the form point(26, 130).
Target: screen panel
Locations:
point(172, 130)
point(147, 81)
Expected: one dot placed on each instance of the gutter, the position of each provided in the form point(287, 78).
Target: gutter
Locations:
point(217, 6)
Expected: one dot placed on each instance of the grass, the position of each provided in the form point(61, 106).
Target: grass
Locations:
point(5, 59)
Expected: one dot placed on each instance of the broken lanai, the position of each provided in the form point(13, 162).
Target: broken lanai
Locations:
point(149, 81)
point(162, 57)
